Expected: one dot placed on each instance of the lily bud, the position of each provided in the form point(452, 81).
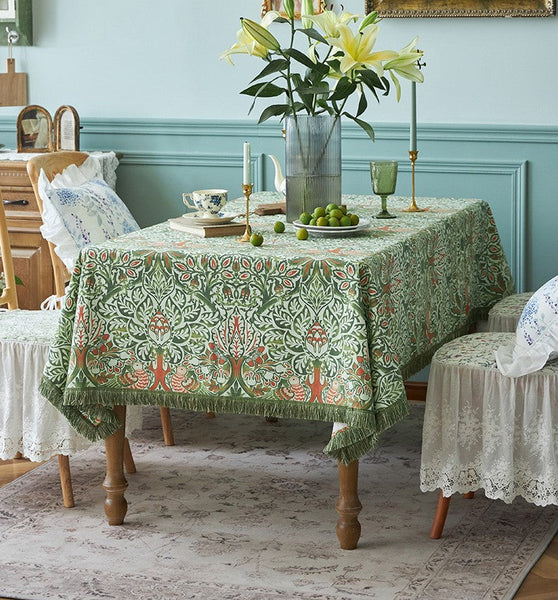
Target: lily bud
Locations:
point(307, 9)
point(369, 19)
point(260, 34)
point(288, 6)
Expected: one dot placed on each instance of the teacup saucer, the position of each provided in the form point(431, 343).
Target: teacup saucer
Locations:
point(202, 219)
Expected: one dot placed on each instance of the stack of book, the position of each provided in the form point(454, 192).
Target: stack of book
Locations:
point(212, 230)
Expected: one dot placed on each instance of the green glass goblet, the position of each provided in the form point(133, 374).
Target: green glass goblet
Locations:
point(384, 178)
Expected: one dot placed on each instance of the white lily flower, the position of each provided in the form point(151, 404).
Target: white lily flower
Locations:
point(405, 65)
point(357, 49)
point(329, 22)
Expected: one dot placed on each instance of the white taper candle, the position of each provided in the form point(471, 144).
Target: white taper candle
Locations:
point(413, 140)
point(247, 170)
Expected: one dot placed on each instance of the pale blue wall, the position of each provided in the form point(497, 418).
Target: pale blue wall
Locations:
point(147, 81)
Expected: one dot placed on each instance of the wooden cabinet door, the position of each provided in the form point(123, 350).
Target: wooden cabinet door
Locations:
point(30, 251)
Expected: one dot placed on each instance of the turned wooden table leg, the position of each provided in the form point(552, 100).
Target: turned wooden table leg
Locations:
point(348, 506)
point(115, 483)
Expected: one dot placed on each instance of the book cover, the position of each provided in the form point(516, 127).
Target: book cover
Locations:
point(208, 230)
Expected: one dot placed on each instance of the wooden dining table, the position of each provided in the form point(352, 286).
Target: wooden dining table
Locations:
point(326, 328)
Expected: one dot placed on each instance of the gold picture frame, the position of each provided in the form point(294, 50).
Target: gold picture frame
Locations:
point(66, 129)
point(268, 5)
point(34, 129)
point(462, 8)
point(37, 131)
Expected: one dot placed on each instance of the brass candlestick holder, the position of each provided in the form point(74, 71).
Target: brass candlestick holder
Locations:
point(413, 208)
point(247, 191)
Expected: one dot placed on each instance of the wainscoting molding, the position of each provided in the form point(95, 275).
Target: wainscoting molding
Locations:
point(512, 167)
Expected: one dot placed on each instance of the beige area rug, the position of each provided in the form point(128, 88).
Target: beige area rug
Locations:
point(244, 509)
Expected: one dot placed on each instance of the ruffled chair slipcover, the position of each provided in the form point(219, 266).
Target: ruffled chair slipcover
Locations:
point(483, 430)
point(504, 315)
point(28, 423)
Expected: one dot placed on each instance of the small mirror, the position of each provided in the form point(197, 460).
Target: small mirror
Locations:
point(34, 130)
point(66, 128)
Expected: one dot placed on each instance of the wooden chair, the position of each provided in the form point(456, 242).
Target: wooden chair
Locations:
point(53, 163)
point(483, 430)
point(25, 336)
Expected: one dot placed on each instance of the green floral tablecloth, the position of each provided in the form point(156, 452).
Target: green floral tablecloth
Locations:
point(326, 328)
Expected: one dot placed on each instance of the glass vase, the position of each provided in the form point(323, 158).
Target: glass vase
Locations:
point(312, 163)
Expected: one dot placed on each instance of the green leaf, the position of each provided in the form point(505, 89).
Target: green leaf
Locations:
point(334, 65)
point(297, 80)
point(314, 90)
point(362, 105)
point(315, 35)
point(344, 88)
point(279, 64)
point(298, 106)
point(366, 126)
point(263, 90)
point(299, 57)
point(18, 280)
point(322, 103)
point(317, 72)
point(386, 83)
point(371, 79)
point(274, 111)
point(369, 84)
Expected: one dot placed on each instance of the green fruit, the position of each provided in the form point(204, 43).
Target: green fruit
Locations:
point(312, 221)
point(322, 222)
point(279, 227)
point(336, 213)
point(305, 218)
point(319, 212)
point(333, 222)
point(331, 207)
point(354, 219)
point(345, 221)
point(256, 239)
point(301, 234)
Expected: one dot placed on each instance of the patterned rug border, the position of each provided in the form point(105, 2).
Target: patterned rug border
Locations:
point(68, 582)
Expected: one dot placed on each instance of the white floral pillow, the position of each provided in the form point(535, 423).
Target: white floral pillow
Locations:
point(77, 216)
point(536, 336)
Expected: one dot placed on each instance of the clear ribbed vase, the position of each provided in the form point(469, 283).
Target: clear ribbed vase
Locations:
point(312, 163)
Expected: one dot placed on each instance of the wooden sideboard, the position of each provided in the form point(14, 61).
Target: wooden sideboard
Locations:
point(30, 251)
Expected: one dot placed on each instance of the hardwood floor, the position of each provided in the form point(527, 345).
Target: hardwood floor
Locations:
point(540, 584)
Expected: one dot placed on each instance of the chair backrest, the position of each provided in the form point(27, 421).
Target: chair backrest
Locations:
point(53, 163)
point(8, 295)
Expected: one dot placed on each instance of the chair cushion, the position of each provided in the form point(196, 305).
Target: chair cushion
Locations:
point(505, 314)
point(28, 326)
point(78, 215)
point(477, 351)
point(536, 336)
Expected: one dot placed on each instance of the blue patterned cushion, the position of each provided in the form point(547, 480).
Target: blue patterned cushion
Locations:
point(91, 213)
point(536, 336)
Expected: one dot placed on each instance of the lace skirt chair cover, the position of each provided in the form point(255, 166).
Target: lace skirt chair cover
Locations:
point(28, 423)
point(504, 315)
point(484, 430)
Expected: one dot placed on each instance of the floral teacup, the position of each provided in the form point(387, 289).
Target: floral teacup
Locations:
point(208, 203)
